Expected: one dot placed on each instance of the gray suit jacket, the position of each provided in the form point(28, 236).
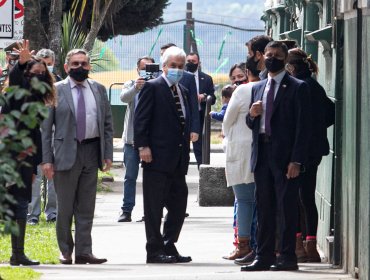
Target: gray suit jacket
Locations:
point(62, 153)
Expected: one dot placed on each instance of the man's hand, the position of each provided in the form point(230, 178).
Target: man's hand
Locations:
point(139, 83)
point(107, 165)
point(293, 170)
point(201, 97)
point(194, 137)
point(145, 154)
point(256, 109)
point(48, 170)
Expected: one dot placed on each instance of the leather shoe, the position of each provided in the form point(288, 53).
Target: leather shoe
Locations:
point(248, 259)
point(161, 259)
point(182, 259)
point(256, 265)
point(284, 266)
point(125, 217)
point(91, 259)
point(65, 259)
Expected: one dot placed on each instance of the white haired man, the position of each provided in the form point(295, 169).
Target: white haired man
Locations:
point(162, 136)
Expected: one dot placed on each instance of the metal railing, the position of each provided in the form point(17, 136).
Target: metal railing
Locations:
point(110, 90)
point(206, 133)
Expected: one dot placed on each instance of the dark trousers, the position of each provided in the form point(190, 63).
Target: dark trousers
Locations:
point(308, 215)
point(197, 146)
point(163, 190)
point(276, 198)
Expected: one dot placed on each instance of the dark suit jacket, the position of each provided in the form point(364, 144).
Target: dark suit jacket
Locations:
point(188, 81)
point(206, 86)
point(290, 122)
point(323, 115)
point(157, 125)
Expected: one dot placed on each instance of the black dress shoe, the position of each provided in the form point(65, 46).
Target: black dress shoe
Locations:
point(161, 259)
point(91, 259)
point(284, 266)
point(125, 217)
point(256, 265)
point(65, 259)
point(182, 259)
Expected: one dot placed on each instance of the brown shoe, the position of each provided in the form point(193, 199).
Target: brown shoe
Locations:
point(299, 250)
point(311, 251)
point(90, 258)
point(241, 251)
point(65, 258)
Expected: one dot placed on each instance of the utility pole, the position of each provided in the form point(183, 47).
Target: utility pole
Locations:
point(189, 35)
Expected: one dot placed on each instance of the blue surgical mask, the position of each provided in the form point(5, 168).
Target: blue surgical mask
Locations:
point(142, 73)
point(50, 68)
point(174, 75)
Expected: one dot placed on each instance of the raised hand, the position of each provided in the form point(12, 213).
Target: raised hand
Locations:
point(24, 52)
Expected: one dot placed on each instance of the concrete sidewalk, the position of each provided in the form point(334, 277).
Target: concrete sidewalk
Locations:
point(206, 236)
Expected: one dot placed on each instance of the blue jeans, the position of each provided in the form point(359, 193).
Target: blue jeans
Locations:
point(131, 161)
point(244, 194)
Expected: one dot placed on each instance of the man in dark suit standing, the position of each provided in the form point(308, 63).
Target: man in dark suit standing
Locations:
point(80, 143)
point(162, 136)
point(205, 88)
point(279, 118)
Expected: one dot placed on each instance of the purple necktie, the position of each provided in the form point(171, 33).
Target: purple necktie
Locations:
point(81, 114)
point(269, 107)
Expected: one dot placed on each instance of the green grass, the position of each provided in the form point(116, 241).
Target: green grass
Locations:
point(40, 244)
point(102, 187)
point(16, 273)
point(216, 137)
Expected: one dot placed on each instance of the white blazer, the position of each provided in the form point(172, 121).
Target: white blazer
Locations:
point(238, 137)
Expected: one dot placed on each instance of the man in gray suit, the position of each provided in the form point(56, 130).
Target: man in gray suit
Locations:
point(83, 142)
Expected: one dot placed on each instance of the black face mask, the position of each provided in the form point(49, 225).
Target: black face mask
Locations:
point(274, 65)
point(79, 74)
point(238, 83)
point(253, 64)
point(40, 77)
point(191, 67)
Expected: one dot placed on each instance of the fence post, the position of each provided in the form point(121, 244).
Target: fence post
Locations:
point(206, 134)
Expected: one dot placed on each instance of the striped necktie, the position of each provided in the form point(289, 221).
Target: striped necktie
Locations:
point(178, 106)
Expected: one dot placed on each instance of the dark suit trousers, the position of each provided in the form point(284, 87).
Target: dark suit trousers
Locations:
point(277, 199)
point(197, 146)
point(163, 190)
point(76, 193)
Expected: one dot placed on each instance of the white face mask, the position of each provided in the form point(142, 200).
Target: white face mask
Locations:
point(142, 73)
point(50, 68)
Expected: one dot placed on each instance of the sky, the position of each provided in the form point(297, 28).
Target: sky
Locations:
point(245, 13)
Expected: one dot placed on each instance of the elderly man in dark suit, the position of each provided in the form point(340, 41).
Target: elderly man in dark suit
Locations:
point(279, 118)
point(205, 88)
point(83, 142)
point(162, 136)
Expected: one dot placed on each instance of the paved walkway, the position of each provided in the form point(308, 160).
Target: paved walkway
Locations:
point(206, 236)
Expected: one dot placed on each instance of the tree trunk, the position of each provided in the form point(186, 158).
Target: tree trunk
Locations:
point(96, 23)
point(33, 29)
point(55, 30)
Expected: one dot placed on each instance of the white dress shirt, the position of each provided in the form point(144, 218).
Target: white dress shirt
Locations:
point(178, 92)
point(92, 130)
point(278, 78)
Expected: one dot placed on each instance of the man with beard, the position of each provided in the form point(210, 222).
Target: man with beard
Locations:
point(83, 142)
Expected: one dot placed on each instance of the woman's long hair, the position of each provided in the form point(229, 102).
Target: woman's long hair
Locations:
point(50, 96)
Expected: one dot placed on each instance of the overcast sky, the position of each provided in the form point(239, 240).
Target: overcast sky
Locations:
point(244, 13)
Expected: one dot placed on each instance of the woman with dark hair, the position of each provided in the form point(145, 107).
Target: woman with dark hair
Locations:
point(238, 74)
point(238, 140)
point(302, 67)
point(26, 69)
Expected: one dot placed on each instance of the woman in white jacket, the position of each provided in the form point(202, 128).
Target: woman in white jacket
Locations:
point(237, 141)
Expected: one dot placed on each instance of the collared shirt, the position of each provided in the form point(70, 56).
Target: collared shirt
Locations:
point(178, 92)
point(196, 75)
point(92, 130)
point(278, 78)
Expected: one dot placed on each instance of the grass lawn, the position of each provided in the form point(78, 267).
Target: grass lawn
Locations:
point(216, 137)
point(40, 244)
point(18, 273)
